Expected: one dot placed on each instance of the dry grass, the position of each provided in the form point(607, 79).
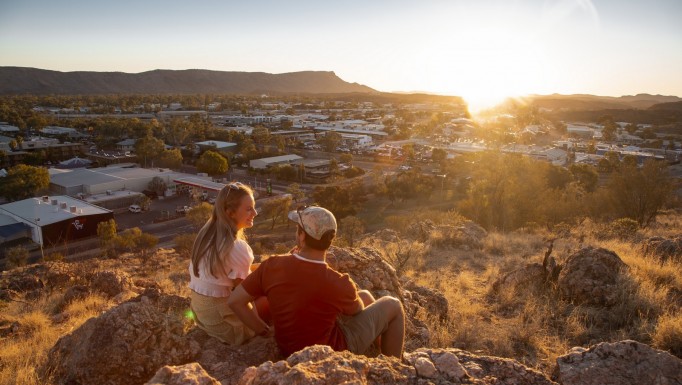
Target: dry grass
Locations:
point(533, 326)
point(536, 326)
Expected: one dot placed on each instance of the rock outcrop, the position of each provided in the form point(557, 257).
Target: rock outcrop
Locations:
point(322, 365)
point(188, 374)
point(125, 345)
point(590, 276)
point(618, 363)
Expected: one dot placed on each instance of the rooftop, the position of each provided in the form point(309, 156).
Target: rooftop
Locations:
point(46, 210)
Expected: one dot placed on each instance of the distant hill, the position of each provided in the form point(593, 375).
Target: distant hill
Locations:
point(23, 80)
point(592, 102)
point(673, 106)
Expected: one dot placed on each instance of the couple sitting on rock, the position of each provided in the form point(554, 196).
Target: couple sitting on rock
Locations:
point(306, 301)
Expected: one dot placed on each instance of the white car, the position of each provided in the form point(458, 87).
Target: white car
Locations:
point(135, 209)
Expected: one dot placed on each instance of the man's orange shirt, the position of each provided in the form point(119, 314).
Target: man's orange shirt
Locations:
point(305, 299)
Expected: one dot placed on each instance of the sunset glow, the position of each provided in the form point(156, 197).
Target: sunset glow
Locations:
point(483, 50)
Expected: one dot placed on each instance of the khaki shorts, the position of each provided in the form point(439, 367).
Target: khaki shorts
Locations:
point(362, 329)
point(212, 315)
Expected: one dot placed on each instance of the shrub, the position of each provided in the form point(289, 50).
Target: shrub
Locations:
point(668, 334)
point(623, 228)
point(53, 257)
point(16, 256)
point(183, 244)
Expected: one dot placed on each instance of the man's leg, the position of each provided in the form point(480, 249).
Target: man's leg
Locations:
point(393, 339)
point(368, 299)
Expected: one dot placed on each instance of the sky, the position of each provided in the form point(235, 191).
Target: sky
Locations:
point(482, 50)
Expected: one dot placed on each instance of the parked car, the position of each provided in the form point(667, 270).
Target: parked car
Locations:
point(182, 209)
point(135, 209)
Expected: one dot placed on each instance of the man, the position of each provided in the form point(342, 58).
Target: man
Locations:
point(311, 303)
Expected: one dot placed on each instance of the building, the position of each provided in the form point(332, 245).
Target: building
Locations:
point(123, 177)
point(54, 220)
point(71, 133)
point(225, 148)
point(264, 163)
point(580, 131)
point(126, 145)
point(7, 129)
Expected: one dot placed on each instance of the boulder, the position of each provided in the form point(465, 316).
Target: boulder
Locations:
point(110, 282)
point(370, 272)
point(590, 276)
point(663, 248)
point(48, 275)
point(533, 275)
point(618, 363)
point(366, 267)
point(189, 374)
point(226, 363)
point(322, 365)
point(435, 303)
point(125, 345)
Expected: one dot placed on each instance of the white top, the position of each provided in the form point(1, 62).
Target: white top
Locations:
point(237, 265)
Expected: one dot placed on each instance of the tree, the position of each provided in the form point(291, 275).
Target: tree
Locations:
point(330, 141)
point(158, 185)
point(248, 149)
point(340, 200)
point(23, 182)
point(586, 176)
point(106, 233)
point(296, 193)
point(148, 148)
point(438, 155)
point(346, 159)
point(275, 208)
point(199, 214)
point(351, 228)
point(260, 136)
point(170, 159)
point(640, 193)
point(212, 163)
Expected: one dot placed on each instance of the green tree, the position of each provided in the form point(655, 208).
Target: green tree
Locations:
point(351, 228)
point(640, 194)
point(586, 176)
point(23, 182)
point(212, 163)
point(296, 192)
point(148, 148)
point(106, 233)
point(260, 136)
point(158, 185)
point(170, 159)
point(248, 150)
point(276, 208)
point(330, 141)
point(341, 200)
point(346, 159)
point(199, 214)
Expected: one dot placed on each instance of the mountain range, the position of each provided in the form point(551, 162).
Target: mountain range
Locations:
point(585, 102)
point(24, 80)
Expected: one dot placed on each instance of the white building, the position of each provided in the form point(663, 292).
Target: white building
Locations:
point(264, 163)
point(8, 129)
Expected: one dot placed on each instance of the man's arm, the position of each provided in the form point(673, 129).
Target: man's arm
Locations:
point(240, 303)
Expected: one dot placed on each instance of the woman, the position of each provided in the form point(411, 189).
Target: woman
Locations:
point(221, 259)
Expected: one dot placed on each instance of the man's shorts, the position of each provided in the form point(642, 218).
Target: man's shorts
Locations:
point(363, 328)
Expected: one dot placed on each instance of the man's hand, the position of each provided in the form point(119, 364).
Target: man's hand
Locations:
point(240, 303)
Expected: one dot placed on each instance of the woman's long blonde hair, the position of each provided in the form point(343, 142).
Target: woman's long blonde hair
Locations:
point(220, 232)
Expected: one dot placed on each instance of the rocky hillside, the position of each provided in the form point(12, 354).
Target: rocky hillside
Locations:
point(21, 80)
point(146, 336)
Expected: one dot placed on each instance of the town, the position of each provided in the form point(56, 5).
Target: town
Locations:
point(145, 160)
